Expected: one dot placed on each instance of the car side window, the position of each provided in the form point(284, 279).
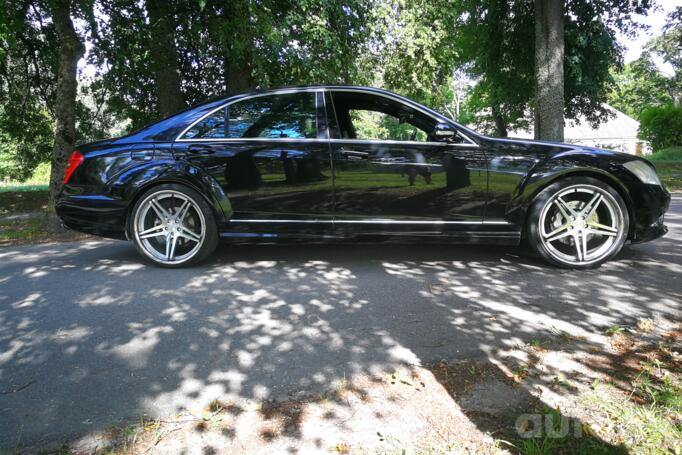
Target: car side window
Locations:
point(364, 116)
point(211, 127)
point(374, 125)
point(291, 115)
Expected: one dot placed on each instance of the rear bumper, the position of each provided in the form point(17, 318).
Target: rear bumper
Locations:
point(95, 215)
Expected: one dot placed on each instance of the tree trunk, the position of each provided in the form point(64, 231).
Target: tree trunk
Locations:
point(71, 50)
point(164, 58)
point(500, 123)
point(239, 75)
point(549, 70)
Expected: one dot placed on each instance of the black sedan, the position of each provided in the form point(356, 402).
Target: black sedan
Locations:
point(337, 162)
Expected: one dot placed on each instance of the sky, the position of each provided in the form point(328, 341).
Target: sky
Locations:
point(655, 20)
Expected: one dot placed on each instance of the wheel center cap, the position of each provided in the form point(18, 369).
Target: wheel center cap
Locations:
point(580, 223)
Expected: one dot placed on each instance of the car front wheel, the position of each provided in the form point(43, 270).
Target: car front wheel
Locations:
point(173, 226)
point(578, 222)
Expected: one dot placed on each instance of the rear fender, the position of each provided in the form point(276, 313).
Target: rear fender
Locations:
point(132, 183)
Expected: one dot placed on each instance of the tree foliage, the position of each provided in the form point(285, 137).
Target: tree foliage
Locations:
point(224, 47)
point(153, 57)
point(669, 47)
point(662, 126)
point(640, 84)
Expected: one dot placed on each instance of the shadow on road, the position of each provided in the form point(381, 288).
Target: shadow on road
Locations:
point(91, 335)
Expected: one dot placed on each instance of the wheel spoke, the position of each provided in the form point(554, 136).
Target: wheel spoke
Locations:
point(188, 234)
point(594, 224)
point(578, 247)
point(551, 236)
point(171, 241)
point(564, 208)
point(158, 208)
point(560, 235)
point(152, 231)
point(182, 211)
point(591, 206)
point(601, 230)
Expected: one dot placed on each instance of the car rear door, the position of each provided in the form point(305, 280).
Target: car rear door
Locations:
point(269, 154)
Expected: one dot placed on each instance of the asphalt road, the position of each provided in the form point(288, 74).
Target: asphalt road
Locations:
point(89, 334)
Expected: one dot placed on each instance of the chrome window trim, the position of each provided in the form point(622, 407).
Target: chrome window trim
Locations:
point(257, 95)
point(304, 139)
point(396, 99)
point(316, 90)
point(435, 222)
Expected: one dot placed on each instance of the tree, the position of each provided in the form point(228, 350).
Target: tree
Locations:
point(549, 70)
point(640, 85)
point(495, 39)
point(669, 47)
point(70, 51)
point(662, 126)
point(27, 79)
point(164, 58)
point(221, 47)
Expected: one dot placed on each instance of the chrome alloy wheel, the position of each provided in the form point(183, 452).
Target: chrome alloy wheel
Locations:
point(170, 227)
point(581, 225)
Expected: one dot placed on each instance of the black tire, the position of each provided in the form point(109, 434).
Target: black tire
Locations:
point(562, 223)
point(145, 217)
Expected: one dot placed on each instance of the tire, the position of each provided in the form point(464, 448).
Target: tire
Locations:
point(172, 225)
point(578, 223)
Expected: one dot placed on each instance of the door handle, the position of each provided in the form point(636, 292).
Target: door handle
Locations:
point(353, 154)
point(200, 150)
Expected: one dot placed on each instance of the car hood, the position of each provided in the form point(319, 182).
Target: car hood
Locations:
point(556, 149)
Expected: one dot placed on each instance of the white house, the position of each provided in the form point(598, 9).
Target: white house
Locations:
point(618, 133)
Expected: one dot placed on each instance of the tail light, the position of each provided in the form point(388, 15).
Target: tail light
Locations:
point(74, 161)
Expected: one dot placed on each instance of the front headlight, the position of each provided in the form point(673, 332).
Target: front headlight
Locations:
point(644, 171)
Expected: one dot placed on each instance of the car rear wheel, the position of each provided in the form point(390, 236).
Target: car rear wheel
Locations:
point(173, 226)
point(578, 222)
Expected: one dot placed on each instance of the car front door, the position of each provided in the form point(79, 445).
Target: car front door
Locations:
point(392, 171)
point(268, 154)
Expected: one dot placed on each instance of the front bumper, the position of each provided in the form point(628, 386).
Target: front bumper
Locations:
point(650, 202)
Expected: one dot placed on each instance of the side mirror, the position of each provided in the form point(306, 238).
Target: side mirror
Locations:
point(444, 132)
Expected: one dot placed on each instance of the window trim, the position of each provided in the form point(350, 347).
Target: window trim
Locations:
point(180, 138)
point(324, 90)
point(414, 106)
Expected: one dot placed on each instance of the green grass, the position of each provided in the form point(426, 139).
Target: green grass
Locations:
point(668, 164)
point(670, 154)
point(22, 201)
point(22, 187)
point(670, 173)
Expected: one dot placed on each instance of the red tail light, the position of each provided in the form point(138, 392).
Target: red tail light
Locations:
point(75, 161)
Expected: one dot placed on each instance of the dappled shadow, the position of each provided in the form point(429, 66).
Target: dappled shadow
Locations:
point(91, 335)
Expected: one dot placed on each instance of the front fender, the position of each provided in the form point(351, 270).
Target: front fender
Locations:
point(570, 163)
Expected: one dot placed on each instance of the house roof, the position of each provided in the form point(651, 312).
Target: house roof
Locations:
point(617, 126)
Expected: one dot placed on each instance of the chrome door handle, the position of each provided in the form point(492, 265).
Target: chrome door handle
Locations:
point(353, 154)
point(200, 150)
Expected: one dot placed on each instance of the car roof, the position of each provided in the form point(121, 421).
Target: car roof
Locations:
point(168, 128)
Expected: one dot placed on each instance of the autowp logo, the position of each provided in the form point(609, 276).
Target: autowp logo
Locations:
point(551, 425)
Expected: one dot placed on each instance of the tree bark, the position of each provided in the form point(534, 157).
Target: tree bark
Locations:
point(239, 75)
point(549, 70)
point(71, 50)
point(164, 56)
point(501, 129)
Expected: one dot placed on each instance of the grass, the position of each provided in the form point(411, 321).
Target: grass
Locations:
point(22, 187)
point(668, 164)
point(22, 201)
point(23, 219)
